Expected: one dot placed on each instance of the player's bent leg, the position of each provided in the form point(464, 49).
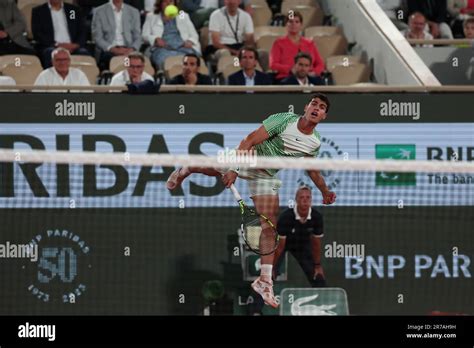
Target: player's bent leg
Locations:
point(263, 285)
point(177, 177)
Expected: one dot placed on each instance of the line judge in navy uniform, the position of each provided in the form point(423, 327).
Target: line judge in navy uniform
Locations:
point(248, 75)
point(301, 229)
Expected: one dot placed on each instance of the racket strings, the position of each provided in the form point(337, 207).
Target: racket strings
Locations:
point(262, 241)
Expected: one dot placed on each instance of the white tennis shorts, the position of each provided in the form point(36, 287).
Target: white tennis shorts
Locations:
point(260, 181)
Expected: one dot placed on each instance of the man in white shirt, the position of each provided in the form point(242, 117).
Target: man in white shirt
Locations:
point(61, 74)
point(56, 24)
point(416, 28)
point(230, 29)
point(135, 72)
point(115, 30)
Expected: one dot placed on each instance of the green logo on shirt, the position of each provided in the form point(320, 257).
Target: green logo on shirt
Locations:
point(396, 152)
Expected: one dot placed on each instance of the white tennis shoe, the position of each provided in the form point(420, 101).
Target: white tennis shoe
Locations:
point(265, 289)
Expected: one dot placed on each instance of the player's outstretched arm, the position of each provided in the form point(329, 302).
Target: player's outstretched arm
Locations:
point(258, 136)
point(329, 197)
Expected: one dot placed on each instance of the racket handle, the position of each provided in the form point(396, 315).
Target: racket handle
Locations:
point(236, 193)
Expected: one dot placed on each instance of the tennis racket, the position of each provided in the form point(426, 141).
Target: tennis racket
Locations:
point(261, 243)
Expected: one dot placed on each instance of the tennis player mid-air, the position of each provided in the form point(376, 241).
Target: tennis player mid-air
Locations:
point(286, 135)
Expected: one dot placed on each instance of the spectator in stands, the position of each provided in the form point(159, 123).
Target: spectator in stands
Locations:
point(436, 12)
point(391, 8)
point(230, 29)
point(190, 75)
point(12, 30)
point(416, 28)
point(169, 36)
point(300, 72)
point(115, 30)
point(61, 74)
point(135, 72)
point(248, 75)
point(469, 28)
point(58, 24)
point(285, 49)
point(201, 10)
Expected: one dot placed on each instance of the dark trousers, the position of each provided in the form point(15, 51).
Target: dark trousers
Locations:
point(46, 55)
point(304, 257)
point(8, 46)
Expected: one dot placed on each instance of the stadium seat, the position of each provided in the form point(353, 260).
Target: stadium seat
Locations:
point(227, 61)
point(266, 42)
point(259, 2)
point(261, 15)
point(117, 64)
point(352, 74)
point(267, 30)
point(343, 60)
point(88, 66)
point(312, 3)
point(27, 11)
point(229, 70)
point(226, 66)
point(173, 71)
point(172, 61)
point(312, 14)
point(174, 66)
point(329, 46)
point(24, 69)
point(311, 32)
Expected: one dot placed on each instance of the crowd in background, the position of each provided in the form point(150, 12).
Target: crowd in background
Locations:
point(140, 30)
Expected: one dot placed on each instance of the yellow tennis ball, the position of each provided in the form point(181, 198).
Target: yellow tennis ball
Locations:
point(171, 11)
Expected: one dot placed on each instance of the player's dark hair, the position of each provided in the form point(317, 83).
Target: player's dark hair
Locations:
point(194, 56)
point(322, 97)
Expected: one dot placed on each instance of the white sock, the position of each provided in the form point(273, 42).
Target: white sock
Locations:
point(266, 271)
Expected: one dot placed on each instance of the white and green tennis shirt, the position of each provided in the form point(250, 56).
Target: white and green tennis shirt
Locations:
point(286, 140)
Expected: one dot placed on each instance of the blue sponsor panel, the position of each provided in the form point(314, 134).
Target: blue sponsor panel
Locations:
point(52, 186)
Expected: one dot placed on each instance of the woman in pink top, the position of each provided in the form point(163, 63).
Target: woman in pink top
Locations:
point(285, 49)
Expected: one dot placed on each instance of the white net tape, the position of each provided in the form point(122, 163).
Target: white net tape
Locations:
point(125, 158)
